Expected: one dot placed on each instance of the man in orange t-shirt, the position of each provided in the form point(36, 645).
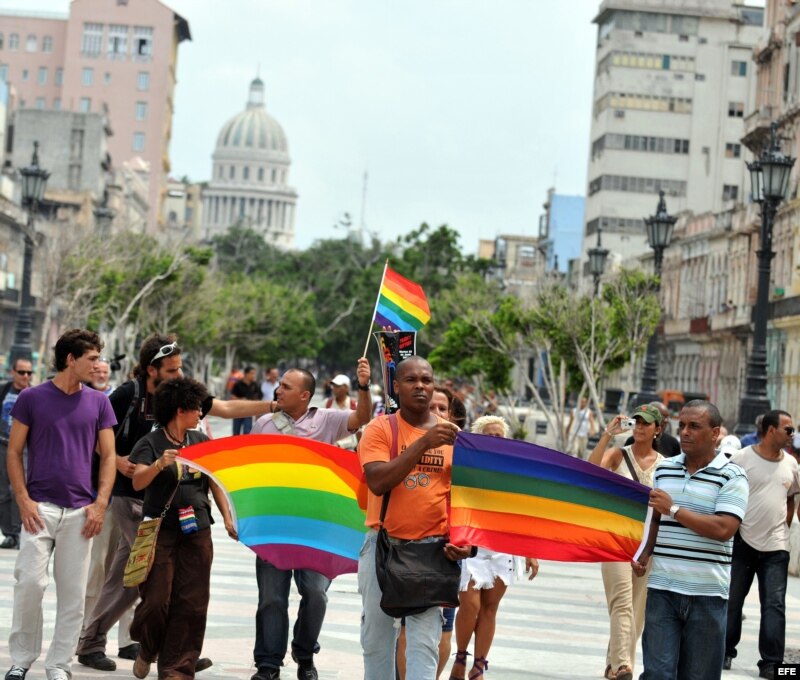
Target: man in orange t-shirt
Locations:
point(419, 479)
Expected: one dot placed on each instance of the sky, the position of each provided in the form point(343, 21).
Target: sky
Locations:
point(461, 112)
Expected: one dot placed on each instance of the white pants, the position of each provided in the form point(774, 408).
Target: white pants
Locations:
point(62, 533)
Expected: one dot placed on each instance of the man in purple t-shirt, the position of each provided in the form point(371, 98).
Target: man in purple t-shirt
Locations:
point(272, 617)
point(63, 423)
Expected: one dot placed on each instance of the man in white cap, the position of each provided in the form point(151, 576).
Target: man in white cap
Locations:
point(341, 399)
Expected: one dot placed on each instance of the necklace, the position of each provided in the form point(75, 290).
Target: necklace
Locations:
point(174, 439)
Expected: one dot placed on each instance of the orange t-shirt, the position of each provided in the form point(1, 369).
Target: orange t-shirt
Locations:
point(418, 506)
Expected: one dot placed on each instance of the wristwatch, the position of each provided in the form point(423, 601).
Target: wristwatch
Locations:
point(363, 388)
point(673, 509)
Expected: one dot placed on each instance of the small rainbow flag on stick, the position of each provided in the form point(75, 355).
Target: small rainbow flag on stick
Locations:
point(298, 503)
point(401, 303)
point(519, 498)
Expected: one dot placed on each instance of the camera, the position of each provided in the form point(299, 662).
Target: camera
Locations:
point(114, 364)
point(628, 424)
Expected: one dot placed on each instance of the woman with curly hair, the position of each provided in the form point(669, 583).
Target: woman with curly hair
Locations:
point(170, 620)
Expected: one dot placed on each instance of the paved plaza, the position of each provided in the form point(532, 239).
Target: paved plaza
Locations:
point(552, 627)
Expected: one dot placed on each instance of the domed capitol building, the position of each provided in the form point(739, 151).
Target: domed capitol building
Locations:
point(250, 174)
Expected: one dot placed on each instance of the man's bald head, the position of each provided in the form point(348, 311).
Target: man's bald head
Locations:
point(414, 361)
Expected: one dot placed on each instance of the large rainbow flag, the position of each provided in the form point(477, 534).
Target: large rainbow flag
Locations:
point(297, 502)
point(520, 498)
point(401, 303)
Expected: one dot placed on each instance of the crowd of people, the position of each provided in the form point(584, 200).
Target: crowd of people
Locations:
point(721, 509)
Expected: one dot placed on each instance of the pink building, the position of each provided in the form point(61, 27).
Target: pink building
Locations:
point(118, 56)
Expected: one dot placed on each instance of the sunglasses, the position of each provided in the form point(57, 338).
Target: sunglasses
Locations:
point(23, 372)
point(789, 430)
point(165, 351)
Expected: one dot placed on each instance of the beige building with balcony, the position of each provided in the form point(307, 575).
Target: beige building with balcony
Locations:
point(673, 80)
point(114, 57)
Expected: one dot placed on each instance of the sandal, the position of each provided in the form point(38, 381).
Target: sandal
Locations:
point(461, 660)
point(609, 674)
point(624, 673)
point(479, 661)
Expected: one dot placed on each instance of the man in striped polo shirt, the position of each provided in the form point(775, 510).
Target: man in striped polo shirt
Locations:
point(699, 499)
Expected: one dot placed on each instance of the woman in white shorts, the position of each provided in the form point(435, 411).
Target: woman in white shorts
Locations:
point(484, 580)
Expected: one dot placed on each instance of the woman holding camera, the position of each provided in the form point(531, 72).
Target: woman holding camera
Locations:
point(626, 593)
point(170, 621)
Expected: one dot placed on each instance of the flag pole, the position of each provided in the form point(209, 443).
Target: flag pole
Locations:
point(375, 310)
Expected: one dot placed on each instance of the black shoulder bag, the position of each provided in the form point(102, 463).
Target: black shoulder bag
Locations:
point(413, 576)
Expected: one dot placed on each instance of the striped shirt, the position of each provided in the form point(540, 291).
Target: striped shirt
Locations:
point(683, 561)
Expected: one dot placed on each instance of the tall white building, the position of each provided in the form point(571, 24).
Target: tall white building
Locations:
point(249, 184)
point(674, 81)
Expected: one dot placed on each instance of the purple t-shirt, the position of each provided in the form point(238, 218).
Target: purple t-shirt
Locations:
point(61, 441)
point(323, 424)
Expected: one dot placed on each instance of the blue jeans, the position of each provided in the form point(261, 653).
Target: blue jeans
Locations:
point(771, 568)
point(684, 636)
point(379, 631)
point(272, 615)
point(242, 425)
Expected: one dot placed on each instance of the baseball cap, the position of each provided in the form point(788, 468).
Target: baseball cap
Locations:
point(341, 379)
point(648, 413)
point(729, 445)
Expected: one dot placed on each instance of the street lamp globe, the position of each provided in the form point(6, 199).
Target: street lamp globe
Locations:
point(597, 261)
point(34, 180)
point(776, 168)
point(660, 226)
point(756, 181)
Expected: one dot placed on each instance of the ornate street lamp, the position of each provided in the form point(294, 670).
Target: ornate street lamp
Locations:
point(597, 262)
point(659, 235)
point(769, 176)
point(34, 180)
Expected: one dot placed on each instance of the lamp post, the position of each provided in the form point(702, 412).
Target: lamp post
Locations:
point(659, 235)
point(34, 180)
point(597, 262)
point(769, 175)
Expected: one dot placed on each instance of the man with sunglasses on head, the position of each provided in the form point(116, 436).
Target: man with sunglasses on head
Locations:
point(21, 373)
point(761, 546)
point(159, 361)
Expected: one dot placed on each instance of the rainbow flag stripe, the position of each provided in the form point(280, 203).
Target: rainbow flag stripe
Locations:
point(520, 498)
point(297, 502)
point(402, 304)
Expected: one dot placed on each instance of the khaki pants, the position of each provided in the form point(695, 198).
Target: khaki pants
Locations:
point(626, 595)
point(579, 446)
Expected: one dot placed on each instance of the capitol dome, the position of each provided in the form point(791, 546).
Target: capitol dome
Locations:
point(249, 184)
point(253, 128)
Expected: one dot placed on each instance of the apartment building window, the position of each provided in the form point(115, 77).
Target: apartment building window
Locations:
point(730, 192)
point(143, 81)
point(261, 174)
point(619, 225)
point(141, 110)
point(1, 41)
point(699, 76)
point(107, 78)
point(138, 141)
point(39, 104)
point(85, 105)
point(57, 104)
point(25, 74)
point(245, 173)
point(92, 39)
point(733, 150)
point(738, 68)
point(87, 77)
point(221, 172)
point(13, 42)
point(643, 185)
point(4, 72)
point(142, 43)
point(232, 172)
point(47, 44)
point(117, 41)
point(41, 76)
point(735, 110)
point(59, 76)
point(31, 43)
point(642, 102)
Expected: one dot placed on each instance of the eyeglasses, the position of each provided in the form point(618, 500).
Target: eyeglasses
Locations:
point(165, 351)
point(789, 430)
point(23, 372)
